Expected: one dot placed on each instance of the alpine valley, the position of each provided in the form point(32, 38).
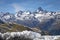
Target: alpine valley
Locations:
point(41, 21)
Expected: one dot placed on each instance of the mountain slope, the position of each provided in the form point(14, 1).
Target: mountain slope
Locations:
point(12, 28)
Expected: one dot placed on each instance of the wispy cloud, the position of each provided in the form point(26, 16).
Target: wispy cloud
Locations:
point(17, 7)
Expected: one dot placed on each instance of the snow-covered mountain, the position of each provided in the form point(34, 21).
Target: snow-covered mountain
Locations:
point(39, 18)
point(26, 17)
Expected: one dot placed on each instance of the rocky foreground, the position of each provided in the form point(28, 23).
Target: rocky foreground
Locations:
point(26, 35)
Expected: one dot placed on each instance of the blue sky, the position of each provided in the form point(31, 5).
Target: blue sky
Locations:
point(16, 5)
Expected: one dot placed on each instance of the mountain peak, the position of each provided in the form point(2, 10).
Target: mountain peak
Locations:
point(39, 9)
point(20, 12)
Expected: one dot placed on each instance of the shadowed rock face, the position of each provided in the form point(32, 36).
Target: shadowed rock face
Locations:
point(1, 38)
point(1, 22)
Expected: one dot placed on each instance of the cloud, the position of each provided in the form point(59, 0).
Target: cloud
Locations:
point(26, 35)
point(17, 7)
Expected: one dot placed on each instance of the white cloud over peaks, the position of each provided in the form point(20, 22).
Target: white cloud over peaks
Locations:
point(17, 7)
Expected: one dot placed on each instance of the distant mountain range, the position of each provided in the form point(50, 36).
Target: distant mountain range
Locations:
point(45, 20)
